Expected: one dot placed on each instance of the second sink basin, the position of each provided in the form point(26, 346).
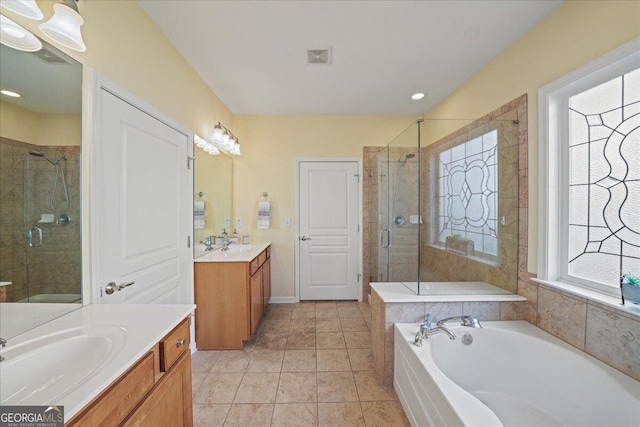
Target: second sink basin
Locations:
point(44, 369)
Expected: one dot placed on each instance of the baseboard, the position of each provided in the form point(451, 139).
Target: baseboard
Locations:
point(282, 300)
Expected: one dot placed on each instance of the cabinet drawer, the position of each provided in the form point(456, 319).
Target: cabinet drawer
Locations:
point(173, 345)
point(262, 257)
point(111, 407)
point(254, 264)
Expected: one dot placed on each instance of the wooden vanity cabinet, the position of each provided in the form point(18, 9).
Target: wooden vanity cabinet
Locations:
point(230, 300)
point(155, 391)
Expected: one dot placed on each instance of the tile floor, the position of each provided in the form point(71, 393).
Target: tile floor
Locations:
point(308, 364)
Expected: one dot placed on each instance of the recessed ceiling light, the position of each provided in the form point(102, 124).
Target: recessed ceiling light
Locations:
point(11, 94)
point(417, 96)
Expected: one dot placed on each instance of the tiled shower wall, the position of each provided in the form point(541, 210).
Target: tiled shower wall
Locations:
point(606, 333)
point(441, 265)
point(26, 184)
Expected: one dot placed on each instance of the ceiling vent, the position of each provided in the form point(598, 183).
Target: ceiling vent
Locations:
point(318, 56)
point(49, 57)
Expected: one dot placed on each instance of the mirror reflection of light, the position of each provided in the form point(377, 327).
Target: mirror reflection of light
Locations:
point(10, 93)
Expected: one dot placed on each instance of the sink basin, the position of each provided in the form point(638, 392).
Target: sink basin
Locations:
point(46, 368)
point(238, 249)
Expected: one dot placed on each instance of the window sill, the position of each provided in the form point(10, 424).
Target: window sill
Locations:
point(605, 300)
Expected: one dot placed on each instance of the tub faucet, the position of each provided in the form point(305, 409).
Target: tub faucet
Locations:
point(469, 321)
point(426, 330)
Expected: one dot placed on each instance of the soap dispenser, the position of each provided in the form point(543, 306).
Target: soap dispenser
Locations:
point(234, 237)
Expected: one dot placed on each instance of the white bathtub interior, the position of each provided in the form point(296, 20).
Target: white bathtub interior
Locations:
point(512, 374)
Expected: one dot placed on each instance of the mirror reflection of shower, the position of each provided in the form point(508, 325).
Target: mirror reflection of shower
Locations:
point(59, 174)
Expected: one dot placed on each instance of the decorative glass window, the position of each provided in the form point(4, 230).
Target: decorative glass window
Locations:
point(589, 128)
point(467, 197)
point(604, 181)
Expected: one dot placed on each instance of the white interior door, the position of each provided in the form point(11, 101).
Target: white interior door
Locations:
point(328, 226)
point(140, 205)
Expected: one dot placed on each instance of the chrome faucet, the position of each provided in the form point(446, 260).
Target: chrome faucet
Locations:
point(208, 243)
point(3, 344)
point(426, 330)
point(469, 321)
point(225, 243)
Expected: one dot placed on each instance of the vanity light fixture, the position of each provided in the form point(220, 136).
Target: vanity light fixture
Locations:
point(17, 37)
point(225, 140)
point(10, 93)
point(207, 147)
point(417, 96)
point(27, 8)
point(64, 26)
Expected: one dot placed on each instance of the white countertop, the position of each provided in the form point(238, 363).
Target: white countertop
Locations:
point(443, 292)
point(218, 255)
point(5, 283)
point(145, 325)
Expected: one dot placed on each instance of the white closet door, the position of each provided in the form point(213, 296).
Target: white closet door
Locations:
point(328, 247)
point(140, 205)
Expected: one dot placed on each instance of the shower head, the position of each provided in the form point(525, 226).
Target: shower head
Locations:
point(403, 161)
point(53, 162)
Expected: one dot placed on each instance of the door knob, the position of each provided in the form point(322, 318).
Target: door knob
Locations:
point(112, 287)
point(305, 238)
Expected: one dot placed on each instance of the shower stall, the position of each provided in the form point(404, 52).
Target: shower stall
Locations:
point(442, 204)
point(40, 214)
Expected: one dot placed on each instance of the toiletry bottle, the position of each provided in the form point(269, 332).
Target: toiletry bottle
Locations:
point(234, 237)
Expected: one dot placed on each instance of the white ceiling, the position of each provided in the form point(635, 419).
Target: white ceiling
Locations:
point(252, 53)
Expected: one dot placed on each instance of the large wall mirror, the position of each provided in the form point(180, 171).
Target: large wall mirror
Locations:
point(40, 143)
point(213, 198)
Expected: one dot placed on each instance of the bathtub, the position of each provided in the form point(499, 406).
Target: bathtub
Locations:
point(512, 374)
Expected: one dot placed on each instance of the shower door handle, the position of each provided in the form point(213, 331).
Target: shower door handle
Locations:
point(38, 237)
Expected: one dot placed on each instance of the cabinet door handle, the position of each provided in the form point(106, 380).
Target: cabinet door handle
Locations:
point(180, 342)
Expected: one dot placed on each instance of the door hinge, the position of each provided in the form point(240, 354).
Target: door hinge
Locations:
point(357, 176)
point(358, 228)
point(359, 276)
point(189, 159)
point(188, 241)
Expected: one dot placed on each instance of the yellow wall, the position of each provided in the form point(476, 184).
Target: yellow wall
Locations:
point(573, 35)
point(39, 129)
point(18, 123)
point(270, 146)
